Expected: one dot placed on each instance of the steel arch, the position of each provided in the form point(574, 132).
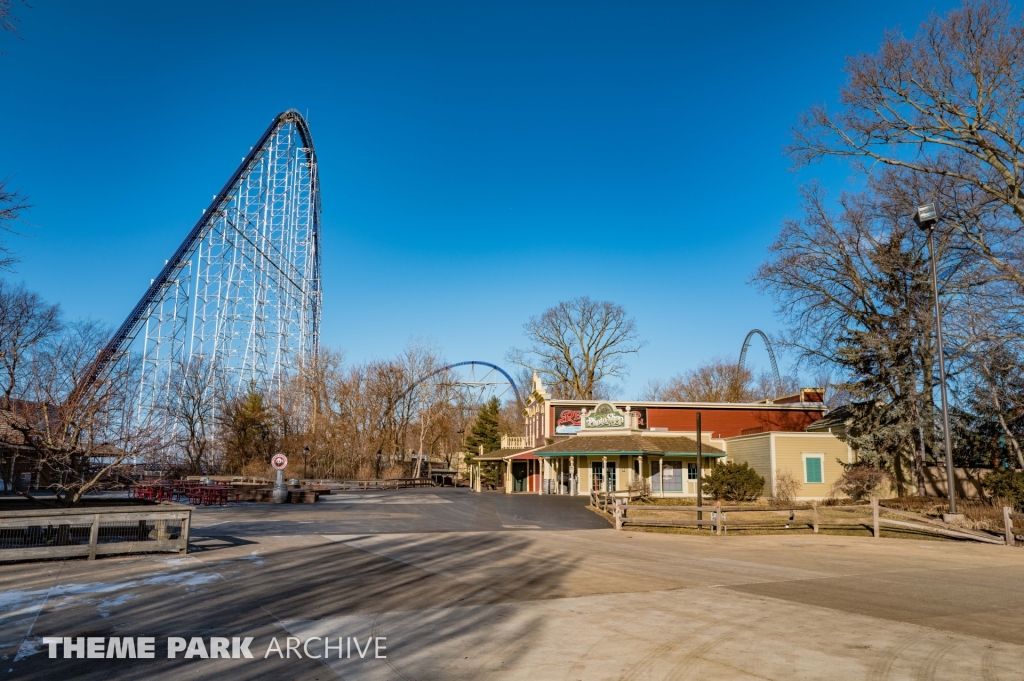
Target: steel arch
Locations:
point(446, 367)
point(771, 355)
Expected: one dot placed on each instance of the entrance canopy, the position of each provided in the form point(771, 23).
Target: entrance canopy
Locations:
point(628, 445)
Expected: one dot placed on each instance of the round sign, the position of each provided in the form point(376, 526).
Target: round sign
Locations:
point(280, 461)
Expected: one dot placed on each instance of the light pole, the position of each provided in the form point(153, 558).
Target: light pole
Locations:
point(305, 458)
point(927, 218)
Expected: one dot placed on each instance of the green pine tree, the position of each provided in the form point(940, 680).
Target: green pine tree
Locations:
point(485, 428)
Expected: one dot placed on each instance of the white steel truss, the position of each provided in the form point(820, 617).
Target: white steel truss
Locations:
point(243, 290)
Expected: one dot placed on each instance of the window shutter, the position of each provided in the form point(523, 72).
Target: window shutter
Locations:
point(813, 464)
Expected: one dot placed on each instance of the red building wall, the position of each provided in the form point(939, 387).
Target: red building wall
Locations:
point(731, 422)
point(725, 422)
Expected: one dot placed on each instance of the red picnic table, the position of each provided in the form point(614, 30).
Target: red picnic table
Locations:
point(156, 491)
point(209, 495)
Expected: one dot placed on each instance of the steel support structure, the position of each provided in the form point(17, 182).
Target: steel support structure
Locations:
point(242, 290)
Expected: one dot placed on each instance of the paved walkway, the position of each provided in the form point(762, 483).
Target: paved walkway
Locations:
point(527, 603)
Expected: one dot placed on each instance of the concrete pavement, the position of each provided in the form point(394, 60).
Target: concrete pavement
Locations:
point(458, 597)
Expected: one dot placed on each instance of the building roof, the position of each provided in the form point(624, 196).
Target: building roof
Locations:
point(12, 427)
point(838, 418)
point(678, 445)
point(500, 454)
point(788, 406)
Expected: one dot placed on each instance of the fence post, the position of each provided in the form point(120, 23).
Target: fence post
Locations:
point(618, 513)
point(718, 518)
point(94, 536)
point(1008, 524)
point(874, 517)
point(814, 508)
point(184, 532)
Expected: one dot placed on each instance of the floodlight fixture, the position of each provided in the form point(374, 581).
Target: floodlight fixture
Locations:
point(926, 216)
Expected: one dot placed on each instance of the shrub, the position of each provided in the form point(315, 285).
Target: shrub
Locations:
point(733, 482)
point(1006, 484)
point(786, 487)
point(860, 480)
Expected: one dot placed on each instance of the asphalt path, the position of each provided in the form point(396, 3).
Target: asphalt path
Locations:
point(441, 509)
point(470, 586)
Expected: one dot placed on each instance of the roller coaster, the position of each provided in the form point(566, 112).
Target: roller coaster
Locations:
point(242, 290)
point(771, 356)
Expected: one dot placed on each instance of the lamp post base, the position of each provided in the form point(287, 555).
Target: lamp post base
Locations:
point(952, 518)
point(280, 494)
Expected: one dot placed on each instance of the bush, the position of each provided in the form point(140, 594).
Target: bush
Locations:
point(1006, 484)
point(786, 487)
point(733, 482)
point(860, 480)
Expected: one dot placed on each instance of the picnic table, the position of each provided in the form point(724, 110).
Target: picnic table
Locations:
point(155, 491)
point(209, 495)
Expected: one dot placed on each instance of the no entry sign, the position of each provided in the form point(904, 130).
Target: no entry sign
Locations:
point(280, 461)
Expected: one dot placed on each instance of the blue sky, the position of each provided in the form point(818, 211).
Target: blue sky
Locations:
point(480, 161)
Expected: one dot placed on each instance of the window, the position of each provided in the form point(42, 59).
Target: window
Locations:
point(691, 471)
point(672, 476)
point(814, 468)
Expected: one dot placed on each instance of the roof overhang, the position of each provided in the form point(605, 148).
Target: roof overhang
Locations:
point(692, 455)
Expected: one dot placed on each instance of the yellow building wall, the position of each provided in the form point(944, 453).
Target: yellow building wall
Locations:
point(755, 451)
point(790, 449)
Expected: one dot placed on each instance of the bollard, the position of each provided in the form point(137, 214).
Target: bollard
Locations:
point(814, 507)
point(874, 517)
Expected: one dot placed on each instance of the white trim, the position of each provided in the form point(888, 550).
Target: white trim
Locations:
point(787, 433)
point(814, 455)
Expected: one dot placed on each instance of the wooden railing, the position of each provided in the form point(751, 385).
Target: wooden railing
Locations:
point(389, 483)
point(93, 531)
point(718, 519)
point(606, 500)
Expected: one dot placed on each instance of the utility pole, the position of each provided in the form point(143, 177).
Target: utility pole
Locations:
point(700, 473)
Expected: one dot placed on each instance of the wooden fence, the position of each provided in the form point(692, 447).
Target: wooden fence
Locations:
point(605, 501)
point(93, 531)
point(1008, 517)
point(719, 522)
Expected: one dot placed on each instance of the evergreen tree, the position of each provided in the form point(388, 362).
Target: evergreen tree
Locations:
point(250, 432)
point(485, 430)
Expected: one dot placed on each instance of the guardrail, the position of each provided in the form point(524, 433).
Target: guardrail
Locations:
point(718, 519)
point(37, 534)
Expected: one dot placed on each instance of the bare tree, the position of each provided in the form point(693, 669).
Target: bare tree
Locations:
point(579, 344)
point(854, 288)
point(25, 322)
point(13, 203)
point(9, 22)
point(720, 379)
point(197, 390)
point(946, 103)
point(80, 437)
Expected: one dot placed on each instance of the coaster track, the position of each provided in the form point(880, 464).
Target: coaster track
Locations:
point(242, 290)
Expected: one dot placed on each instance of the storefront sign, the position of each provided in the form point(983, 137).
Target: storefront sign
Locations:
point(567, 420)
point(641, 417)
point(605, 416)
